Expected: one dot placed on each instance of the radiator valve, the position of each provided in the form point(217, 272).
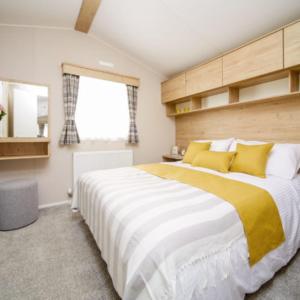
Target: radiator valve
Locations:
point(70, 193)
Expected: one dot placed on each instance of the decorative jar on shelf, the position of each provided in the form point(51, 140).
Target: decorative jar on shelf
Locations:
point(2, 112)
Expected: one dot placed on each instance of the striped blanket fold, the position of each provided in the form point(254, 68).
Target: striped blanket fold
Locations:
point(149, 230)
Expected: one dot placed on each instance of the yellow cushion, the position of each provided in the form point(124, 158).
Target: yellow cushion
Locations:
point(219, 161)
point(193, 149)
point(251, 159)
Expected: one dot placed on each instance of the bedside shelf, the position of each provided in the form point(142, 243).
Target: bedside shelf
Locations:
point(170, 157)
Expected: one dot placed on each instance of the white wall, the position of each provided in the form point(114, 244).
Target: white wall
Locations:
point(35, 55)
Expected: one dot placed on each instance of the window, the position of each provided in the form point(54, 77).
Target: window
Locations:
point(102, 110)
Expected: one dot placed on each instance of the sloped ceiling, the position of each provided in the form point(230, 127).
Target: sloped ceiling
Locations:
point(168, 35)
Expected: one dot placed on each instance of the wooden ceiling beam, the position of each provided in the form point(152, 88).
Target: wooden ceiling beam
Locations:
point(86, 15)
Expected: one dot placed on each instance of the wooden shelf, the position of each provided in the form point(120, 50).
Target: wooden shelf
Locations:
point(24, 148)
point(194, 103)
point(241, 103)
point(239, 85)
point(23, 157)
point(277, 75)
point(208, 93)
point(24, 140)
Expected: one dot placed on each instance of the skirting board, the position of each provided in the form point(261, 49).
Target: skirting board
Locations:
point(54, 204)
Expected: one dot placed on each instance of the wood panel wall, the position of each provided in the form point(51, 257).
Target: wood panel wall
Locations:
point(277, 121)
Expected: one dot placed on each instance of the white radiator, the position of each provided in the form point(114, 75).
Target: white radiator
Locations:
point(98, 160)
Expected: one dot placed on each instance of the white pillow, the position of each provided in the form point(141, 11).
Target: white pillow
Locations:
point(284, 159)
point(244, 142)
point(218, 145)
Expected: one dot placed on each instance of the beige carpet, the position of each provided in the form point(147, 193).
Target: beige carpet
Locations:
point(56, 258)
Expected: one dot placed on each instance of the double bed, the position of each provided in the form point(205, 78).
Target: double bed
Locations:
point(162, 239)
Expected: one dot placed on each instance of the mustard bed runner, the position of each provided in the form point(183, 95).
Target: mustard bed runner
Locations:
point(255, 206)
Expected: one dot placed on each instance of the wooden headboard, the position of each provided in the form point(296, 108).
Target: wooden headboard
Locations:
point(276, 121)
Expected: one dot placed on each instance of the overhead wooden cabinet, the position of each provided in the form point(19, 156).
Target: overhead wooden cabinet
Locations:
point(258, 58)
point(292, 45)
point(173, 89)
point(205, 77)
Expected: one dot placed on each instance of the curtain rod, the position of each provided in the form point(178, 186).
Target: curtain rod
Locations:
point(96, 73)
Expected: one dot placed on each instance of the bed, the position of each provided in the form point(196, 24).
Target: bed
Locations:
point(161, 240)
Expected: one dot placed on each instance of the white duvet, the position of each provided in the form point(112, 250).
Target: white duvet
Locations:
point(215, 268)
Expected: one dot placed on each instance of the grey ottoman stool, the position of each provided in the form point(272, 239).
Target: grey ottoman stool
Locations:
point(18, 203)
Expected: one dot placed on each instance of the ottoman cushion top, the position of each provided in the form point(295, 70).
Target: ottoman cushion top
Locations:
point(16, 184)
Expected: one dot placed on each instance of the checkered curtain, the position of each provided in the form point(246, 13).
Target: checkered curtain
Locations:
point(69, 134)
point(133, 137)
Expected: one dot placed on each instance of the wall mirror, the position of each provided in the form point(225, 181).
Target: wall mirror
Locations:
point(23, 110)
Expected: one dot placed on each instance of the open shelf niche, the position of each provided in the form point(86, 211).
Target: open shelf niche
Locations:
point(194, 104)
point(24, 148)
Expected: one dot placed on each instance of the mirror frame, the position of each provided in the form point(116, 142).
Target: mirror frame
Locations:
point(29, 139)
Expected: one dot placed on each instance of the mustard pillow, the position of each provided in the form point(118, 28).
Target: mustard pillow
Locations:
point(251, 159)
point(219, 161)
point(193, 149)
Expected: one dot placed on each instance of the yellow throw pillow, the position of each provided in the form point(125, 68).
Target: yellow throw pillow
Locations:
point(251, 159)
point(219, 161)
point(193, 149)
